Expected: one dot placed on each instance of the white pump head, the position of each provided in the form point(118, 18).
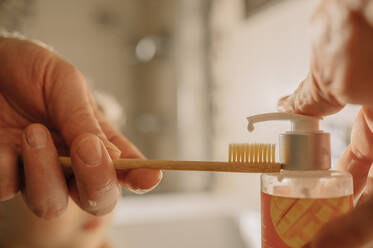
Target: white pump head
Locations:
point(299, 123)
point(305, 147)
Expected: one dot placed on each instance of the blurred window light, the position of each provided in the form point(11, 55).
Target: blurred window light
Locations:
point(146, 49)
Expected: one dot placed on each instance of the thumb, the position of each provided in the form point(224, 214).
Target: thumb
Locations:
point(70, 106)
point(356, 228)
point(310, 98)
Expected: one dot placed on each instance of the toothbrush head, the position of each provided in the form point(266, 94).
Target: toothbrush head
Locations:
point(252, 153)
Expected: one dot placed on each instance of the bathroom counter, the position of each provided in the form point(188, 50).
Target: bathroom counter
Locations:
point(184, 220)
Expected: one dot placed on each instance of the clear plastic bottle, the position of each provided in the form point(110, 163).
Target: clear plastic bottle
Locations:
point(296, 204)
point(306, 194)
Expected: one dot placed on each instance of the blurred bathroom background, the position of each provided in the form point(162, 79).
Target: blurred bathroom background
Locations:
point(179, 77)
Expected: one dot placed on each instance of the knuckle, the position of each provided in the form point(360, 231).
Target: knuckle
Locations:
point(343, 89)
point(42, 58)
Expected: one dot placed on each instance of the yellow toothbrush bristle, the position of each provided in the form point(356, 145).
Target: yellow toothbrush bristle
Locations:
point(252, 153)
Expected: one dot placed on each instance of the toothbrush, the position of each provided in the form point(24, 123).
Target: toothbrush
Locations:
point(250, 158)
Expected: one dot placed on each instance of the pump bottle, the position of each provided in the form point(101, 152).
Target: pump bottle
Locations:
point(306, 193)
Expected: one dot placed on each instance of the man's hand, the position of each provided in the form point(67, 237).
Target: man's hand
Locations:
point(46, 111)
point(342, 73)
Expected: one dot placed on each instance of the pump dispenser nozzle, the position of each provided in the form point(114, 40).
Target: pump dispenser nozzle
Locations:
point(299, 123)
point(305, 147)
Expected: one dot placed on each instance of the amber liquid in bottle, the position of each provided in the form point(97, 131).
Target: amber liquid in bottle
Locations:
point(296, 204)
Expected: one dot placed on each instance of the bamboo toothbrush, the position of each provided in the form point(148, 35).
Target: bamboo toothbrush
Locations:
point(254, 158)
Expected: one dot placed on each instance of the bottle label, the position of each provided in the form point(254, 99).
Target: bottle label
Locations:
point(293, 222)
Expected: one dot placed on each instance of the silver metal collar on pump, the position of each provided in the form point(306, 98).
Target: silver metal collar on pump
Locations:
point(305, 147)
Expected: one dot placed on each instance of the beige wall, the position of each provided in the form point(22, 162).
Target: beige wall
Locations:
point(71, 28)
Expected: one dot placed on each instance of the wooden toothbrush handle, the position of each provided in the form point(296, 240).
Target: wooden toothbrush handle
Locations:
point(124, 164)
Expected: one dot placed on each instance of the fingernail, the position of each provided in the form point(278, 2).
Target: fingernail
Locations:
point(113, 151)
point(36, 137)
point(90, 151)
point(139, 191)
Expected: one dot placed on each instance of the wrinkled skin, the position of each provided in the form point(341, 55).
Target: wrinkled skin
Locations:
point(342, 73)
point(47, 110)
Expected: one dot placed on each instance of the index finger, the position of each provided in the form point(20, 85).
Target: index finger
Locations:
point(310, 99)
point(137, 180)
